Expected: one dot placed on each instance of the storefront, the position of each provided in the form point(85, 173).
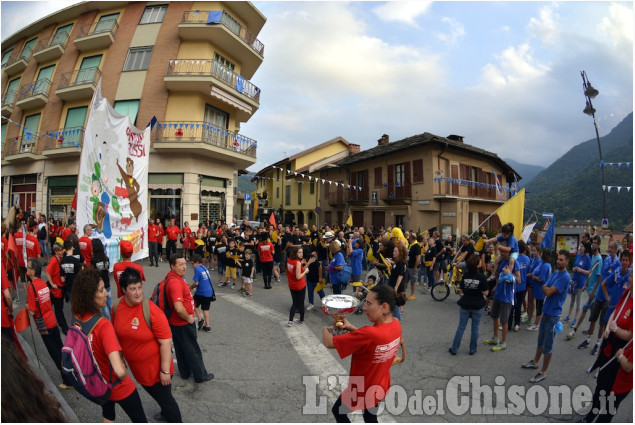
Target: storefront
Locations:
point(23, 192)
point(165, 197)
point(61, 191)
point(212, 198)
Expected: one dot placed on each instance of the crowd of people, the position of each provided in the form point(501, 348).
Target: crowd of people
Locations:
point(514, 282)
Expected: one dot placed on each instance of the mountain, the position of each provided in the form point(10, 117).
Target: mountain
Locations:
point(526, 171)
point(571, 187)
point(245, 185)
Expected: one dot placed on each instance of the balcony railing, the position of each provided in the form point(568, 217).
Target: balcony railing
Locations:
point(53, 40)
point(9, 98)
point(203, 132)
point(70, 137)
point(26, 53)
point(197, 67)
point(36, 88)
point(108, 25)
point(19, 145)
point(359, 196)
point(79, 77)
point(224, 18)
point(397, 192)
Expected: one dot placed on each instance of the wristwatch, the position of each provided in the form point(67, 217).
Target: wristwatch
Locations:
point(165, 373)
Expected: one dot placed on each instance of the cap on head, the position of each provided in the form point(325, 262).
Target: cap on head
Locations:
point(126, 248)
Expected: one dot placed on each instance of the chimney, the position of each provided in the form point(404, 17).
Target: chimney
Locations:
point(385, 139)
point(353, 149)
point(456, 138)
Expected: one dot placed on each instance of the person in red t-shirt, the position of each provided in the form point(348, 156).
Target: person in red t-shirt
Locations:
point(7, 307)
point(85, 244)
point(172, 233)
point(186, 241)
point(126, 249)
point(153, 234)
point(40, 308)
point(160, 238)
point(297, 283)
point(147, 349)
point(87, 300)
point(71, 227)
point(54, 270)
point(52, 232)
point(181, 318)
point(265, 253)
point(618, 338)
point(373, 349)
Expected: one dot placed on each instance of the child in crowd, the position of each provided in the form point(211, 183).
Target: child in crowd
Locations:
point(506, 242)
point(247, 274)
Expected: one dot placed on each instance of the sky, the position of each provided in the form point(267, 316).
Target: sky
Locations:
point(505, 75)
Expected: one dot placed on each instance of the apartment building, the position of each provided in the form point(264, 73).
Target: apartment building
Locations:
point(291, 186)
point(188, 64)
point(418, 183)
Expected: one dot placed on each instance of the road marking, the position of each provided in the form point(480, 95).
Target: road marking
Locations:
point(318, 359)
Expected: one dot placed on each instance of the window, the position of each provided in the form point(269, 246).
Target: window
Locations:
point(128, 107)
point(154, 14)
point(287, 194)
point(417, 171)
point(88, 69)
point(106, 23)
point(223, 68)
point(378, 179)
point(399, 175)
point(6, 56)
point(138, 58)
point(12, 89)
point(28, 49)
point(4, 132)
point(300, 194)
point(277, 192)
point(61, 35)
point(216, 117)
point(312, 188)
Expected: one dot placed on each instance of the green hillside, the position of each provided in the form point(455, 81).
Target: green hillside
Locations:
point(571, 187)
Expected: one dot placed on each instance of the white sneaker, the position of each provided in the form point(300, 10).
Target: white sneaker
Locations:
point(233, 286)
point(532, 328)
point(290, 323)
point(516, 328)
point(309, 307)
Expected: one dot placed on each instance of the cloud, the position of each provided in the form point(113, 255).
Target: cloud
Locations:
point(402, 11)
point(547, 26)
point(515, 64)
point(457, 31)
point(618, 27)
point(36, 11)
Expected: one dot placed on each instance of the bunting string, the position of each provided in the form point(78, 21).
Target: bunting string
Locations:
point(311, 179)
point(608, 189)
point(472, 183)
point(615, 164)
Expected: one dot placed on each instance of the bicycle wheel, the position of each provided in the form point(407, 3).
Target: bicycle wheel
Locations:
point(440, 291)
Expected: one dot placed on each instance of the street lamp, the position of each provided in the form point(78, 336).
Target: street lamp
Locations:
point(589, 93)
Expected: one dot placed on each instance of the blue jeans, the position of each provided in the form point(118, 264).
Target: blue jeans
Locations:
point(546, 333)
point(310, 286)
point(221, 271)
point(430, 274)
point(421, 274)
point(464, 315)
point(397, 313)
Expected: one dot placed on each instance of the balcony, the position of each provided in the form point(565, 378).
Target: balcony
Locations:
point(7, 103)
point(21, 149)
point(358, 197)
point(50, 48)
point(33, 95)
point(16, 66)
point(97, 35)
point(337, 198)
point(64, 142)
point(397, 194)
point(213, 79)
point(78, 84)
point(201, 138)
point(226, 33)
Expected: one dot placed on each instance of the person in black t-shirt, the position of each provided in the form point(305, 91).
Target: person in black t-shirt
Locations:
point(221, 256)
point(69, 267)
point(247, 274)
point(466, 249)
point(397, 277)
point(474, 288)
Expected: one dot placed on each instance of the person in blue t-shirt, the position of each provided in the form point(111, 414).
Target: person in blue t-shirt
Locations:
point(506, 242)
point(204, 292)
point(355, 253)
point(534, 269)
point(555, 291)
point(582, 262)
point(593, 280)
point(336, 264)
point(508, 277)
point(523, 262)
point(539, 278)
point(616, 283)
point(601, 304)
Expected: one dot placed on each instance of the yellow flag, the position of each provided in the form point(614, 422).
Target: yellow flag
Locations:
point(349, 222)
point(512, 212)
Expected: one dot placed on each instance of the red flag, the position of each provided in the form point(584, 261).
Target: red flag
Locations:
point(22, 320)
point(74, 203)
point(272, 220)
point(12, 260)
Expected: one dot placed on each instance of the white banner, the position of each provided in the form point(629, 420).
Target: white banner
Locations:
point(113, 180)
point(527, 231)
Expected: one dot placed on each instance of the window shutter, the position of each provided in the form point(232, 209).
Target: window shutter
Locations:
point(455, 175)
point(364, 192)
point(378, 180)
point(391, 177)
point(417, 171)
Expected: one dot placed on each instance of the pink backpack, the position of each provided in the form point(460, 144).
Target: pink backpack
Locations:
point(79, 364)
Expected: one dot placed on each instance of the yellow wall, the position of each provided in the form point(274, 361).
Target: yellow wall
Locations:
point(198, 49)
point(325, 152)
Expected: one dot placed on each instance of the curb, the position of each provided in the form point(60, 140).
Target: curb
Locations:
point(44, 375)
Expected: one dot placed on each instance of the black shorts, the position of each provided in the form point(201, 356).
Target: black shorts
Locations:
point(539, 305)
point(598, 310)
point(203, 302)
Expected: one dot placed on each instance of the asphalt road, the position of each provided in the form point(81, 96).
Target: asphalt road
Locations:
point(268, 372)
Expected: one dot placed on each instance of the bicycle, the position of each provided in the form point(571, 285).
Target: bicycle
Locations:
point(441, 290)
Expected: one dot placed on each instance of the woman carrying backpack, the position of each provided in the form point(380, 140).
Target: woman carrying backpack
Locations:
point(87, 299)
point(146, 343)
